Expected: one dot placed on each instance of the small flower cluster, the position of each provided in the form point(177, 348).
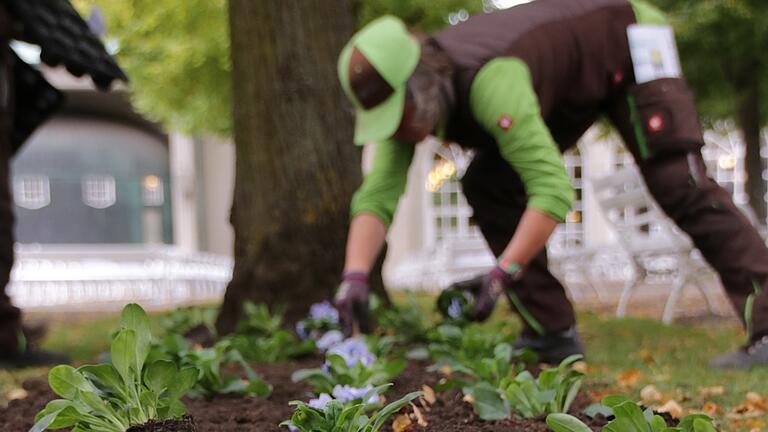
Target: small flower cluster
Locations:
point(344, 394)
point(353, 351)
point(323, 317)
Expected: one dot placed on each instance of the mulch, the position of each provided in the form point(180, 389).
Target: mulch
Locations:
point(228, 414)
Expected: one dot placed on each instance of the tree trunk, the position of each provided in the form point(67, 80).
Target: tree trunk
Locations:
point(749, 119)
point(296, 165)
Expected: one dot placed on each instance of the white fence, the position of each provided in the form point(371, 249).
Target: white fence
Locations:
point(104, 276)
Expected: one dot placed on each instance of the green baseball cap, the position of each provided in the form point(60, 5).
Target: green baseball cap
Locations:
point(373, 69)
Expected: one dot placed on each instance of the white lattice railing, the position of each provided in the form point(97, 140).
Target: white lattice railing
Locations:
point(77, 276)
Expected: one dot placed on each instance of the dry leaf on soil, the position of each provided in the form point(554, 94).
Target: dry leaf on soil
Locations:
point(629, 378)
point(650, 394)
point(711, 391)
point(429, 394)
point(672, 408)
point(402, 423)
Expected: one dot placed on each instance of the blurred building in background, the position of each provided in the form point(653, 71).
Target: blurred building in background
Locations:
point(109, 207)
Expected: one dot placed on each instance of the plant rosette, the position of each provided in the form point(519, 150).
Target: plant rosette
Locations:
point(629, 417)
point(323, 317)
point(209, 362)
point(327, 414)
point(260, 337)
point(525, 396)
point(350, 363)
point(455, 305)
point(114, 397)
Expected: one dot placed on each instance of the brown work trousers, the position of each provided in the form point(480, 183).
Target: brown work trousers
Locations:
point(10, 316)
point(660, 127)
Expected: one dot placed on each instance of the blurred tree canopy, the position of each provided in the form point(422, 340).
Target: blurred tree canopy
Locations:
point(177, 52)
point(723, 51)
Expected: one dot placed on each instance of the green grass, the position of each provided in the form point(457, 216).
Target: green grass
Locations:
point(672, 358)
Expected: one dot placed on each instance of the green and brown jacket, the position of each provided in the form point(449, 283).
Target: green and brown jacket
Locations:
point(530, 80)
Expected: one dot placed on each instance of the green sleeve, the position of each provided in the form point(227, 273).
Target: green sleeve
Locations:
point(385, 183)
point(504, 103)
point(646, 13)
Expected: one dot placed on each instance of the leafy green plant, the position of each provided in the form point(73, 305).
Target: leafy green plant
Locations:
point(350, 363)
point(405, 324)
point(552, 392)
point(452, 344)
point(181, 320)
point(629, 417)
point(113, 397)
point(261, 337)
point(331, 415)
point(209, 361)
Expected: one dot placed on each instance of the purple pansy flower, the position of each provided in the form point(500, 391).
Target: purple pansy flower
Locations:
point(320, 402)
point(324, 312)
point(346, 394)
point(301, 331)
point(330, 339)
point(454, 309)
point(353, 351)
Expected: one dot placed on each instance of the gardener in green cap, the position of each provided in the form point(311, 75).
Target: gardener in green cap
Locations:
point(518, 87)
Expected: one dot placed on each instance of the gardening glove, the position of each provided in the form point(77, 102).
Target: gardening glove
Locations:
point(494, 284)
point(352, 303)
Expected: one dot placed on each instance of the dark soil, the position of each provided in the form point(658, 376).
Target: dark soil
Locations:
point(186, 424)
point(229, 414)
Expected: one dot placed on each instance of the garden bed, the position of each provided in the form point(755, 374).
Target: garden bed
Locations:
point(224, 414)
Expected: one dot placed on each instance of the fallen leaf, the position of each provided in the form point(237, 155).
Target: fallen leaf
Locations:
point(647, 356)
point(468, 398)
point(445, 370)
point(711, 391)
point(429, 394)
point(16, 394)
point(650, 394)
point(710, 409)
point(582, 366)
point(402, 423)
point(419, 418)
point(629, 378)
point(672, 408)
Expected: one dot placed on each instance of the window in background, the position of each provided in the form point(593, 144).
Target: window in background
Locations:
point(99, 191)
point(32, 192)
point(152, 191)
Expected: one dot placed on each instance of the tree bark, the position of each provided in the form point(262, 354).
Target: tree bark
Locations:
point(296, 165)
point(749, 119)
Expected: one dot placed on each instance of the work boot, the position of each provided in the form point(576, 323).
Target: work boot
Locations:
point(753, 355)
point(32, 358)
point(551, 348)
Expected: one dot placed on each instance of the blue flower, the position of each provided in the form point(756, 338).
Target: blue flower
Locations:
point(324, 312)
point(454, 309)
point(346, 394)
point(354, 351)
point(301, 331)
point(320, 402)
point(329, 340)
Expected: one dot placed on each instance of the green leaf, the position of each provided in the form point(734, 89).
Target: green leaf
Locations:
point(66, 381)
point(632, 413)
point(488, 402)
point(134, 318)
point(621, 425)
point(185, 380)
point(44, 422)
point(124, 354)
point(566, 423)
point(105, 376)
point(159, 375)
point(702, 425)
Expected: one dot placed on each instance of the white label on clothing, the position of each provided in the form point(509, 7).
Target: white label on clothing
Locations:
point(654, 52)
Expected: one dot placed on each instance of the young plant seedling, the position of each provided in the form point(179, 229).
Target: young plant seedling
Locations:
point(114, 397)
point(261, 338)
point(629, 417)
point(330, 415)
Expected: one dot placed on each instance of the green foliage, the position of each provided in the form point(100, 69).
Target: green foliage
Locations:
point(630, 418)
point(113, 397)
point(453, 345)
point(261, 337)
point(182, 320)
point(209, 361)
point(406, 324)
point(424, 15)
point(552, 392)
point(176, 53)
point(722, 48)
point(337, 371)
point(336, 416)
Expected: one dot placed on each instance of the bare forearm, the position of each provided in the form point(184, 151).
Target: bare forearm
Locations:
point(366, 238)
point(529, 239)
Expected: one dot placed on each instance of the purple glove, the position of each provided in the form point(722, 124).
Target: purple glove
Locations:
point(352, 302)
point(495, 283)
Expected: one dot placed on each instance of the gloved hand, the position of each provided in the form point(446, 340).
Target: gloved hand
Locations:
point(352, 303)
point(494, 284)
